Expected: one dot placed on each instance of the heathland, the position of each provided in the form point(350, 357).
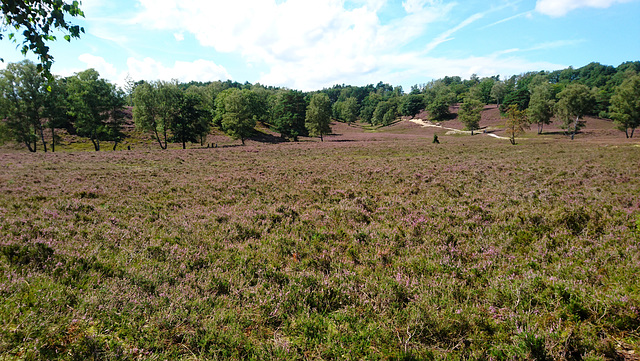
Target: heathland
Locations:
point(374, 244)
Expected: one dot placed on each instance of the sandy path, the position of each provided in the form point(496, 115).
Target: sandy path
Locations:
point(453, 130)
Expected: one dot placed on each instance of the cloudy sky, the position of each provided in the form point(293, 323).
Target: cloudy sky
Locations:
point(311, 44)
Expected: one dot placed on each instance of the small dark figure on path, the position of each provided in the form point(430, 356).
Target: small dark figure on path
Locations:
point(435, 139)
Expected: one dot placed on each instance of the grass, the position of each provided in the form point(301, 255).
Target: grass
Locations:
point(389, 249)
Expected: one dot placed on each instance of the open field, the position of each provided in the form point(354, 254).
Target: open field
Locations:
point(371, 245)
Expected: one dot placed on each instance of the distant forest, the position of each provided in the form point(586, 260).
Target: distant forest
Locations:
point(33, 109)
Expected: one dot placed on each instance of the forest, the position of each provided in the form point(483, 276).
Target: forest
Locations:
point(35, 109)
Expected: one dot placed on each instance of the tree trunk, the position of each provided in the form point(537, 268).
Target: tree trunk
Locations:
point(575, 127)
point(53, 139)
point(44, 144)
point(184, 144)
point(632, 130)
point(626, 132)
point(165, 139)
point(322, 140)
point(28, 144)
point(155, 130)
point(115, 144)
point(96, 144)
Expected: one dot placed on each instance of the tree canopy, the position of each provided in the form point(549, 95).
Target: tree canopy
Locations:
point(36, 21)
point(318, 117)
point(625, 105)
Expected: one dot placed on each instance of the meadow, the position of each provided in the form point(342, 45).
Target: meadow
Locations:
point(381, 247)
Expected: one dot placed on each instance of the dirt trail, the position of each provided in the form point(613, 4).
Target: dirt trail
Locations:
point(452, 130)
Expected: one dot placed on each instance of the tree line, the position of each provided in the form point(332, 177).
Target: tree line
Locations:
point(89, 106)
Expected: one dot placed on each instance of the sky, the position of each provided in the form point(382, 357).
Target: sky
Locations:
point(312, 44)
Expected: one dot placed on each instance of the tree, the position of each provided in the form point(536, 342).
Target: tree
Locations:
point(369, 105)
point(498, 91)
point(22, 89)
point(318, 118)
point(470, 114)
point(625, 105)
point(97, 106)
point(519, 97)
point(412, 104)
point(187, 125)
point(541, 105)
point(574, 102)
point(288, 114)
point(56, 106)
point(350, 110)
point(385, 113)
point(206, 109)
point(37, 20)
point(239, 118)
point(155, 107)
point(516, 123)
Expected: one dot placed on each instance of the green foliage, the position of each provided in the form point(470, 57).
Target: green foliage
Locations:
point(470, 114)
point(37, 21)
point(156, 107)
point(575, 101)
point(22, 91)
point(240, 113)
point(288, 114)
point(541, 106)
point(369, 105)
point(318, 117)
point(518, 97)
point(191, 121)
point(350, 110)
point(385, 113)
point(498, 91)
point(516, 123)
point(96, 106)
point(625, 105)
point(412, 104)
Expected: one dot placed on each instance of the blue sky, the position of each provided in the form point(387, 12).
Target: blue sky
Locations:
point(311, 44)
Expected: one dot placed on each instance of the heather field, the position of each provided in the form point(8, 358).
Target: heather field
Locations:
point(376, 246)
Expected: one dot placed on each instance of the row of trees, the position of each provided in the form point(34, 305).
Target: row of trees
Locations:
point(568, 95)
point(86, 105)
point(164, 108)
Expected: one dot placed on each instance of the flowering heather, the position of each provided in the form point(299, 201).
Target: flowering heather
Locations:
point(391, 248)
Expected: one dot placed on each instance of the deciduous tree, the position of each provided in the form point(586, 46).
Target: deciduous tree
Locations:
point(97, 106)
point(239, 118)
point(625, 105)
point(288, 114)
point(412, 104)
point(516, 123)
point(541, 106)
point(156, 106)
point(574, 102)
point(470, 114)
point(37, 21)
point(318, 118)
point(22, 91)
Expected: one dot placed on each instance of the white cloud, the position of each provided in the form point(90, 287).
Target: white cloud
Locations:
point(150, 69)
point(557, 8)
point(106, 70)
point(303, 43)
point(178, 36)
point(199, 70)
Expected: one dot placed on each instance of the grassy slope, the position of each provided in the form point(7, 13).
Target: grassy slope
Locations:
point(369, 245)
